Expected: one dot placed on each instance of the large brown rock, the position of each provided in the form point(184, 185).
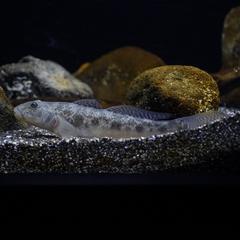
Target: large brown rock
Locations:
point(231, 39)
point(183, 90)
point(110, 75)
point(7, 118)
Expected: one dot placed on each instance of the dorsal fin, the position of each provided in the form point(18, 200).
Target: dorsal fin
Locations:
point(89, 103)
point(140, 113)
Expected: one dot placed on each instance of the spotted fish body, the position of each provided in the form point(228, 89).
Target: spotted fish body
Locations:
point(73, 120)
point(128, 110)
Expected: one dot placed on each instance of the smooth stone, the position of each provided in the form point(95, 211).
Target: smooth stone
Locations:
point(231, 39)
point(82, 68)
point(181, 90)
point(110, 75)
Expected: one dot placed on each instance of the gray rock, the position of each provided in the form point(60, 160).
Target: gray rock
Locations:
point(33, 78)
point(38, 151)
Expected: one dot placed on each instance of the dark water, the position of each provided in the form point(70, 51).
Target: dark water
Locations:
point(73, 32)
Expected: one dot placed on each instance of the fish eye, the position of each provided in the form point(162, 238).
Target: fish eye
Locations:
point(34, 105)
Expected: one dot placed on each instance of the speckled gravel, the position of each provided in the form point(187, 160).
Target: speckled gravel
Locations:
point(37, 151)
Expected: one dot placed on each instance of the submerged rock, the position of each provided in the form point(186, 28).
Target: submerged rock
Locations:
point(82, 68)
point(110, 75)
point(229, 85)
point(7, 118)
point(38, 151)
point(228, 78)
point(231, 39)
point(33, 78)
point(182, 90)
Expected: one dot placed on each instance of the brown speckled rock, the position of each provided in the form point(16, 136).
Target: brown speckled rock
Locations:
point(110, 75)
point(231, 39)
point(183, 90)
point(7, 118)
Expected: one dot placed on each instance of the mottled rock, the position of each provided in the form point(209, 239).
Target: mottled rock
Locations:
point(182, 90)
point(7, 118)
point(38, 151)
point(33, 78)
point(231, 39)
point(110, 75)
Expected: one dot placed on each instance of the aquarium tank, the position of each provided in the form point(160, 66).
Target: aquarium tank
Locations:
point(148, 88)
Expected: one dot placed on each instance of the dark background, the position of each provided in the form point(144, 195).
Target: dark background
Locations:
point(73, 32)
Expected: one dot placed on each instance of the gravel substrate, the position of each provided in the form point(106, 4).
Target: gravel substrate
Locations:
point(37, 151)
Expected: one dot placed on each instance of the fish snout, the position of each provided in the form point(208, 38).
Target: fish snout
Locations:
point(18, 113)
point(19, 116)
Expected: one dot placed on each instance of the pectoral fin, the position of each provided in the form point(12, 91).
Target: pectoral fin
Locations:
point(66, 129)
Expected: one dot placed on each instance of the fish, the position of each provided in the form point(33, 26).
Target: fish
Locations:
point(89, 103)
point(73, 120)
point(128, 110)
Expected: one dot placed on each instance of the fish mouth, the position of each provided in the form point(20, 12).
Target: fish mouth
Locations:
point(18, 114)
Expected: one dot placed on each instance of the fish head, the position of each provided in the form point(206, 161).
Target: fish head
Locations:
point(37, 113)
